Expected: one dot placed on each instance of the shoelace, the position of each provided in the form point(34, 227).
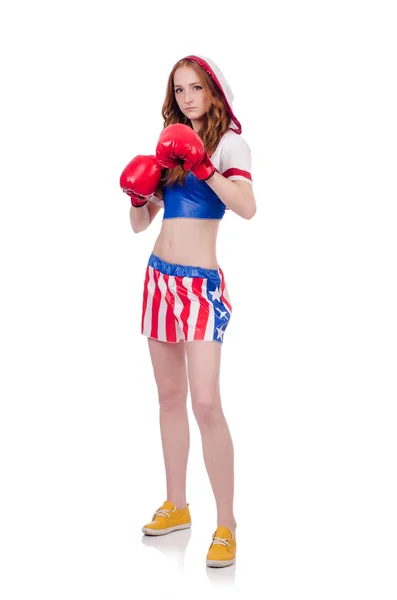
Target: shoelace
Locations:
point(221, 541)
point(162, 512)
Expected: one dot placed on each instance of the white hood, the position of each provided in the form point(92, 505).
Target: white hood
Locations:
point(214, 71)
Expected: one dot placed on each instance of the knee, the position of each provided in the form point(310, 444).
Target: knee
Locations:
point(172, 396)
point(207, 411)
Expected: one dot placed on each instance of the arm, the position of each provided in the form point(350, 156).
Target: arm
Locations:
point(236, 195)
point(179, 143)
point(140, 180)
point(141, 218)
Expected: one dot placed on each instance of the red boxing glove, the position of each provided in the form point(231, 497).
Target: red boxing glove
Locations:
point(180, 145)
point(140, 179)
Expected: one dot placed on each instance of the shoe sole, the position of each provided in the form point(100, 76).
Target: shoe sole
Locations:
point(148, 531)
point(220, 563)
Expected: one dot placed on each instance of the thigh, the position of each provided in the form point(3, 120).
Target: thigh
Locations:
point(203, 366)
point(169, 367)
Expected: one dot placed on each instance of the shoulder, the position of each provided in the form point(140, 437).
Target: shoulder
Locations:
point(232, 157)
point(233, 140)
point(231, 147)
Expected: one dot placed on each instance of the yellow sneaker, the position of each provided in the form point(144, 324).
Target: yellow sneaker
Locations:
point(168, 518)
point(222, 552)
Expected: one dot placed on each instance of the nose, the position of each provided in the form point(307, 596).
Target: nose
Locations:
point(188, 97)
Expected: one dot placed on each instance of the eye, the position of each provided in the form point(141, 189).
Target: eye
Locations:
point(177, 90)
point(198, 87)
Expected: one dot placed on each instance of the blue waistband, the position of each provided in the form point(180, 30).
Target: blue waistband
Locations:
point(181, 270)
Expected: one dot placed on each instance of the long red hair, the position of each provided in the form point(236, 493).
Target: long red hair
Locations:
point(216, 122)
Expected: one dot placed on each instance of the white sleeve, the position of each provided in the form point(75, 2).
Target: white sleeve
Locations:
point(156, 200)
point(235, 158)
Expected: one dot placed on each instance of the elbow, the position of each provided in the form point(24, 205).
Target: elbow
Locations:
point(250, 212)
point(136, 229)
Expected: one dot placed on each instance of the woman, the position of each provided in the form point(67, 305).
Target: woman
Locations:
point(201, 168)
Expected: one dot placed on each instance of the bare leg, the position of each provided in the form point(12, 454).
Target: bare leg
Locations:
point(203, 371)
point(169, 366)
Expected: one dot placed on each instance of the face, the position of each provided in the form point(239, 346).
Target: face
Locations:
point(190, 95)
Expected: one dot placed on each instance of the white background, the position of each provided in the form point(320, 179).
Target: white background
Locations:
point(309, 360)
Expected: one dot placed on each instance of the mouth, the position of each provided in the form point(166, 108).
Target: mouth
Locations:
point(191, 108)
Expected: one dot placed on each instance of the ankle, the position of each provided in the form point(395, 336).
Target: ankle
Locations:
point(232, 525)
point(180, 504)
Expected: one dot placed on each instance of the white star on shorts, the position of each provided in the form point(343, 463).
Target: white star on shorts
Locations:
point(222, 313)
point(220, 333)
point(216, 295)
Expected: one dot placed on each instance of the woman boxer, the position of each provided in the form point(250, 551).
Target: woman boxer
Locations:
point(202, 167)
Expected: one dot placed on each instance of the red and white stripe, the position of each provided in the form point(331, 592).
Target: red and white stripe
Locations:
point(238, 174)
point(176, 308)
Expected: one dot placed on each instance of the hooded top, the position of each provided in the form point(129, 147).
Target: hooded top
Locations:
point(216, 74)
point(232, 158)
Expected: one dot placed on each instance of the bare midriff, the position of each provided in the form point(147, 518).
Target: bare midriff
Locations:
point(187, 241)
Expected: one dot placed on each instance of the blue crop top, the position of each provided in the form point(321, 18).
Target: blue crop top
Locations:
point(193, 200)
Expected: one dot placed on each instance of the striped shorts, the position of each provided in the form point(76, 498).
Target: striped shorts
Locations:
point(181, 302)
